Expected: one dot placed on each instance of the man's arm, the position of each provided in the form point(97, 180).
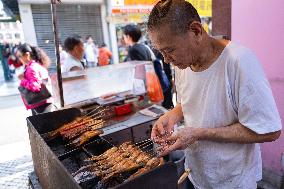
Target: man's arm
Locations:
point(236, 133)
point(75, 68)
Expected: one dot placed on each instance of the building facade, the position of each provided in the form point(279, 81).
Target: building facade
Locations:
point(82, 17)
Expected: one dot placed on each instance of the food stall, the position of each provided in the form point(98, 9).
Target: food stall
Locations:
point(101, 138)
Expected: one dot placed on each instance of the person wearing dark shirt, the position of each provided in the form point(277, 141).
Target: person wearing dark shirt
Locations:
point(6, 52)
point(136, 51)
point(163, 70)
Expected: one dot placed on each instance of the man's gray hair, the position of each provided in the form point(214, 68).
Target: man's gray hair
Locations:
point(179, 14)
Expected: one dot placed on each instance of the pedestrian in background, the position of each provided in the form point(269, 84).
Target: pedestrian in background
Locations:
point(36, 63)
point(105, 55)
point(6, 52)
point(136, 50)
point(75, 49)
point(15, 63)
point(163, 70)
point(91, 52)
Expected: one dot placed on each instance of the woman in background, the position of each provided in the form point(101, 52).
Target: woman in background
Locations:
point(105, 55)
point(36, 63)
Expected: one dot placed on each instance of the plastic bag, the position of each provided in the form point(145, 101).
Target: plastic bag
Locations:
point(154, 89)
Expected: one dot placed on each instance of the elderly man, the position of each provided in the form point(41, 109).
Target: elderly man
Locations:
point(223, 97)
point(75, 49)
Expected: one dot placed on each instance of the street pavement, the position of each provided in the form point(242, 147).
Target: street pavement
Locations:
point(8, 88)
point(15, 165)
point(15, 158)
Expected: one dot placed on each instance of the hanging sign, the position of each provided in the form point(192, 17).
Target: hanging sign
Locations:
point(203, 7)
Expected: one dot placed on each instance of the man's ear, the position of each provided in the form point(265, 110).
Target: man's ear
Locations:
point(196, 28)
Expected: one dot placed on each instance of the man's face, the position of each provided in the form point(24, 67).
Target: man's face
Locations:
point(90, 40)
point(127, 39)
point(79, 50)
point(181, 50)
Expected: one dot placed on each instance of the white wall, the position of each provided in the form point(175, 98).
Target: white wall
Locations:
point(112, 35)
point(104, 25)
point(28, 24)
point(259, 25)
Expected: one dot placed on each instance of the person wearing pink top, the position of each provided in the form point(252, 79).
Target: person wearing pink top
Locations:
point(36, 63)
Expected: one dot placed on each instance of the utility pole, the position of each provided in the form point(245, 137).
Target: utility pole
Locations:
point(56, 42)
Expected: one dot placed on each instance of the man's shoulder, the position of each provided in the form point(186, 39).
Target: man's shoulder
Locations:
point(138, 46)
point(237, 51)
point(242, 63)
point(240, 57)
point(70, 61)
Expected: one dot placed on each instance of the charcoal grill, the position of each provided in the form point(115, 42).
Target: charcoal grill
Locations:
point(54, 163)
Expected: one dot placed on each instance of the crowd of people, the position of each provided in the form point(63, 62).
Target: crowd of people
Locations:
point(78, 55)
point(29, 63)
point(10, 63)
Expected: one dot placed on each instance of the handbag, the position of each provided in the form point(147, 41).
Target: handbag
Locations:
point(33, 98)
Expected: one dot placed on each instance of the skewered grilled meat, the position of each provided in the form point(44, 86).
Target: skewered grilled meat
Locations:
point(117, 157)
point(75, 123)
point(104, 155)
point(72, 133)
point(85, 137)
point(120, 168)
point(113, 156)
point(151, 164)
point(143, 158)
point(110, 152)
point(98, 113)
point(125, 145)
point(131, 153)
point(118, 160)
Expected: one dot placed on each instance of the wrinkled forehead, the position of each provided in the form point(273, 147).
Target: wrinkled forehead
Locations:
point(162, 37)
point(159, 36)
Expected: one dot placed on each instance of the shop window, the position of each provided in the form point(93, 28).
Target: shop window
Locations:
point(17, 36)
point(8, 36)
point(15, 25)
point(6, 25)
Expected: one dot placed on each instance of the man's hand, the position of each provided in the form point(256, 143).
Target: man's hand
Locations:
point(180, 140)
point(165, 124)
point(163, 127)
